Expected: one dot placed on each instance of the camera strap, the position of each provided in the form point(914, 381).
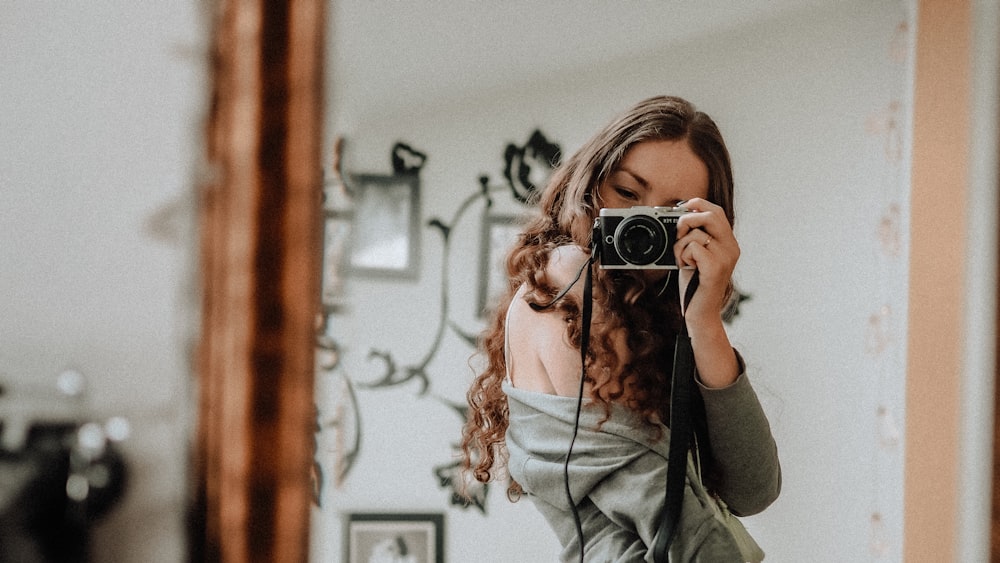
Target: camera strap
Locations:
point(681, 413)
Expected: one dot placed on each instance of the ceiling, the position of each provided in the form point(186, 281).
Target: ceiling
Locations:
point(386, 51)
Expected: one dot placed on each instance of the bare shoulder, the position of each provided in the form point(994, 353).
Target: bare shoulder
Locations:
point(564, 264)
point(541, 357)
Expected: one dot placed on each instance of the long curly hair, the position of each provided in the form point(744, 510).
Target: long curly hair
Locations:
point(565, 214)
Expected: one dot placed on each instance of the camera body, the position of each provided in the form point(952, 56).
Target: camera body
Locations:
point(638, 238)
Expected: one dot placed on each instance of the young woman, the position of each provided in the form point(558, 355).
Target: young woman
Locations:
point(660, 153)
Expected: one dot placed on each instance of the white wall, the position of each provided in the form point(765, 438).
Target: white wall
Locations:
point(815, 106)
point(100, 115)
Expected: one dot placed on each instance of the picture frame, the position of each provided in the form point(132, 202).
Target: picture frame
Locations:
point(336, 231)
point(385, 233)
point(498, 234)
point(338, 216)
point(410, 537)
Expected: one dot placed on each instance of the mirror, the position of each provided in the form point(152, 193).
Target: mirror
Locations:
point(813, 99)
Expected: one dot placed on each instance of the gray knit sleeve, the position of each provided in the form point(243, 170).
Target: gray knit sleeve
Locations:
point(746, 472)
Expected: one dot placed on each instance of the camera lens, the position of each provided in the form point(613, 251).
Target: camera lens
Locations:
point(640, 240)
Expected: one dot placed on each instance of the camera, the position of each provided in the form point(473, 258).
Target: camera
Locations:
point(638, 238)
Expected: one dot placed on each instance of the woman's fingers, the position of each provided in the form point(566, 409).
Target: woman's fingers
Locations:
point(700, 249)
point(705, 227)
point(703, 215)
point(694, 247)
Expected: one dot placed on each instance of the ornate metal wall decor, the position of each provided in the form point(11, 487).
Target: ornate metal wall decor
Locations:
point(732, 309)
point(527, 167)
point(343, 418)
point(406, 160)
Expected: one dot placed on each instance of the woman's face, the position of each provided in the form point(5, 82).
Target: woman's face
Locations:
point(655, 174)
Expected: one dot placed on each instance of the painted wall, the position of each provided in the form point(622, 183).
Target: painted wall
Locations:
point(815, 108)
point(99, 135)
point(952, 336)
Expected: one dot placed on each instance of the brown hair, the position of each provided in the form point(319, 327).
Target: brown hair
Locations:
point(566, 213)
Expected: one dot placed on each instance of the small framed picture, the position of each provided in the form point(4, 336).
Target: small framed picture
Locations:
point(385, 233)
point(395, 538)
point(336, 231)
point(338, 216)
point(498, 235)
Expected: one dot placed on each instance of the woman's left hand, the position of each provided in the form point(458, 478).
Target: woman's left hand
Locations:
point(705, 242)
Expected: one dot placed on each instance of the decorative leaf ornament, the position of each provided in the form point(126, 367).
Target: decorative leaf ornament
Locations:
point(528, 167)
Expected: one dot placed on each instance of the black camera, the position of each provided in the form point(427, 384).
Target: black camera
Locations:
point(638, 238)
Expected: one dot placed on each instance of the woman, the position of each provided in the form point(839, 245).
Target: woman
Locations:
point(662, 152)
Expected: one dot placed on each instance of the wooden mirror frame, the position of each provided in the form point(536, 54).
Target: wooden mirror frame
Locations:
point(260, 222)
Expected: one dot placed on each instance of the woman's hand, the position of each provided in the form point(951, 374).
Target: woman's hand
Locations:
point(705, 242)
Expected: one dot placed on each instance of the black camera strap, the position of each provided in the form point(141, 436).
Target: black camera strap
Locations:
point(681, 414)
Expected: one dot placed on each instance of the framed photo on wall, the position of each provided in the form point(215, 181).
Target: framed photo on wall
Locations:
point(498, 235)
point(338, 216)
point(405, 537)
point(385, 235)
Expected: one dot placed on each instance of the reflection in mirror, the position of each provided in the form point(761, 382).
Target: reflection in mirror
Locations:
point(813, 101)
point(97, 214)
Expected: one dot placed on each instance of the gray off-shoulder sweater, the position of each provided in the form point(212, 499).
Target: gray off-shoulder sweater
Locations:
point(617, 475)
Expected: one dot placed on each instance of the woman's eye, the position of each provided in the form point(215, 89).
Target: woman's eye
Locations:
point(626, 193)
